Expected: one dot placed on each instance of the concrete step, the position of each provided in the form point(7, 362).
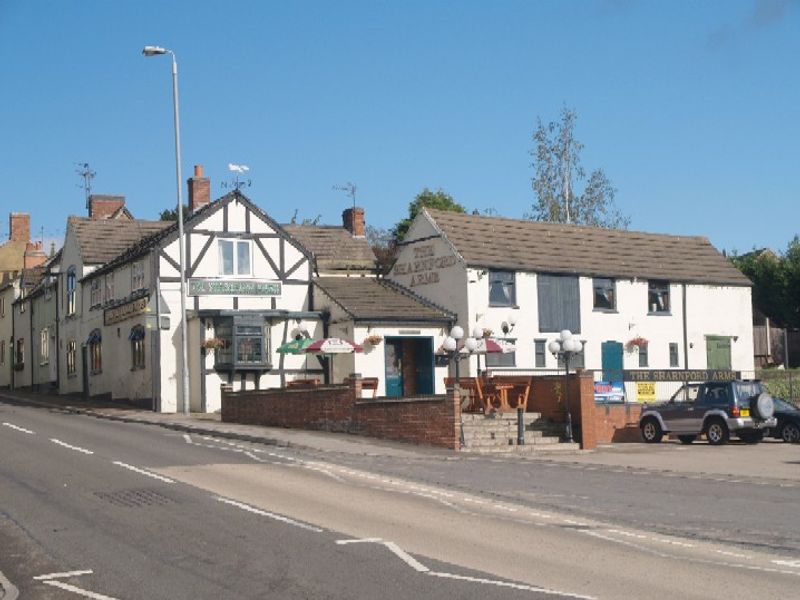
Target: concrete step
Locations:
point(536, 449)
point(502, 441)
point(483, 434)
point(500, 417)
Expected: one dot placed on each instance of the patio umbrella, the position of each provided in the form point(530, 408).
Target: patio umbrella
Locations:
point(491, 346)
point(333, 345)
point(295, 346)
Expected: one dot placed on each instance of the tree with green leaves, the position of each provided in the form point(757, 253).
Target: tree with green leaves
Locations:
point(439, 200)
point(776, 282)
point(172, 214)
point(556, 160)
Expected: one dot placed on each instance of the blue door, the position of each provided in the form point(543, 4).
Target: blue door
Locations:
point(612, 361)
point(423, 351)
point(393, 356)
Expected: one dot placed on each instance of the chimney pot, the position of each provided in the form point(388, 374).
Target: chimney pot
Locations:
point(19, 227)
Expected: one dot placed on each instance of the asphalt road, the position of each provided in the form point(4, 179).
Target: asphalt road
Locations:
point(128, 511)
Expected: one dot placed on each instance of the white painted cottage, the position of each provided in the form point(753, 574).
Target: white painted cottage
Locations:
point(684, 303)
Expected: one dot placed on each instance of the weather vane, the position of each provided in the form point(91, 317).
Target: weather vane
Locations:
point(237, 183)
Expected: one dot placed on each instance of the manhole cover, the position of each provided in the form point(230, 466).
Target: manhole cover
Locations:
point(132, 498)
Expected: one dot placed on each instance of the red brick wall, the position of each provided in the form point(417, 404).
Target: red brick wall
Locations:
point(617, 423)
point(102, 207)
point(432, 420)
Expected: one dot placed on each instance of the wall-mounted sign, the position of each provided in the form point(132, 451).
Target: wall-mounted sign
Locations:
point(679, 375)
point(233, 287)
point(645, 391)
point(609, 391)
point(425, 266)
point(125, 311)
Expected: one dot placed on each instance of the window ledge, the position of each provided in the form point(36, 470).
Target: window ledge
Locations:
point(661, 313)
point(612, 311)
point(512, 306)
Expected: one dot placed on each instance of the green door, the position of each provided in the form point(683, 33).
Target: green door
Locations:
point(611, 354)
point(393, 354)
point(718, 353)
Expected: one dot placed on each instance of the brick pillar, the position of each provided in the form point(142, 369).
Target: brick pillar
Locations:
point(453, 403)
point(588, 408)
point(354, 382)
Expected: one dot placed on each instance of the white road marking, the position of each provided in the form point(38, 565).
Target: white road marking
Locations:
point(49, 577)
point(71, 447)
point(270, 515)
point(361, 541)
point(508, 584)
point(22, 429)
point(63, 575)
point(187, 438)
point(143, 472)
point(406, 558)
point(733, 554)
point(77, 590)
point(787, 563)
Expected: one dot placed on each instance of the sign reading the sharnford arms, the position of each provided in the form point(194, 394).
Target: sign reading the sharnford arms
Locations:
point(680, 375)
point(125, 311)
point(233, 287)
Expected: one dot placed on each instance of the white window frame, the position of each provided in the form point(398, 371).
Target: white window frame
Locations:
point(137, 275)
point(95, 293)
point(71, 291)
point(44, 346)
point(109, 287)
point(235, 267)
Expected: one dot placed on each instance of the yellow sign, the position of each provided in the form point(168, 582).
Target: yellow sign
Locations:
point(645, 391)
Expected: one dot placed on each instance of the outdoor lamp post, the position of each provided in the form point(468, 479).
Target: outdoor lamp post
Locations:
point(566, 347)
point(451, 343)
point(184, 364)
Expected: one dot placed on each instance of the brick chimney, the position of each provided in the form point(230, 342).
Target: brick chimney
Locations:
point(353, 220)
point(102, 206)
point(19, 227)
point(199, 189)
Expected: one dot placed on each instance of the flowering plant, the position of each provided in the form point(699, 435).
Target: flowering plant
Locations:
point(373, 340)
point(213, 343)
point(487, 333)
point(636, 342)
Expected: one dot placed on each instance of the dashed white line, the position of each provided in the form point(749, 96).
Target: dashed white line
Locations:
point(71, 447)
point(143, 472)
point(508, 584)
point(22, 429)
point(269, 515)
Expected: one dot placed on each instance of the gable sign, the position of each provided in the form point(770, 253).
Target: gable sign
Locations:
point(233, 287)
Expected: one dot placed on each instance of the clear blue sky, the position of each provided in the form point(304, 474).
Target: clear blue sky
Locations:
point(692, 108)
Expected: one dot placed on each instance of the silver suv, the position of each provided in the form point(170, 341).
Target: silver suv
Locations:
point(720, 409)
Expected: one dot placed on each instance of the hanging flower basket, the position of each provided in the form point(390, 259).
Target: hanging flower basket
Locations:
point(487, 333)
point(213, 343)
point(636, 343)
point(373, 340)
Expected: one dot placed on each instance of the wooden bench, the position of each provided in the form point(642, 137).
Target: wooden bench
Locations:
point(297, 383)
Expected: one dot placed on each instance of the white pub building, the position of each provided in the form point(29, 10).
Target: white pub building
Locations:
point(638, 301)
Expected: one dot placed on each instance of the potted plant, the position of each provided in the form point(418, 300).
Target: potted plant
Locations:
point(636, 343)
point(213, 343)
point(373, 340)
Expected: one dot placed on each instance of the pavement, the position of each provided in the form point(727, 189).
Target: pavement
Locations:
point(770, 459)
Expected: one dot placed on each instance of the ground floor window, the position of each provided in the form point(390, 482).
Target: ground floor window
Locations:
point(539, 349)
point(2, 352)
point(19, 359)
point(242, 343)
point(71, 357)
point(673, 355)
point(136, 338)
point(44, 346)
point(95, 343)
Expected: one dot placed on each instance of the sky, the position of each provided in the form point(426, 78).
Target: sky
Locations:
point(692, 108)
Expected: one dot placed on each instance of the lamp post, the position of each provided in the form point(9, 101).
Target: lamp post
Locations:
point(566, 347)
point(450, 345)
point(184, 364)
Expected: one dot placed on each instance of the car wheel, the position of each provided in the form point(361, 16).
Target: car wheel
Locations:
point(790, 432)
point(763, 406)
point(687, 439)
point(651, 431)
point(751, 437)
point(717, 432)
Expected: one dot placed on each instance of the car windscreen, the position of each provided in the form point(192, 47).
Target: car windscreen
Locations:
point(783, 405)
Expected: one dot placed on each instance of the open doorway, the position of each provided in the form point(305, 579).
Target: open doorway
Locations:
point(409, 366)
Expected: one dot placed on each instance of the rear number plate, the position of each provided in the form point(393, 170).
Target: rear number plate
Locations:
point(744, 412)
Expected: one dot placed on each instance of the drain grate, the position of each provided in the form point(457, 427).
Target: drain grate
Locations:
point(135, 498)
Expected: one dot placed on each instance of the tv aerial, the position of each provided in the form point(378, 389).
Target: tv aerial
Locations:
point(87, 174)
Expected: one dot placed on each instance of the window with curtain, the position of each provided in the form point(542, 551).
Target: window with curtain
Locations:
point(136, 338)
point(502, 288)
point(72, 355)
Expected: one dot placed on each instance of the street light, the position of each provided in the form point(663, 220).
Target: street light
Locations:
point(451, 343)
point(157, 51)
point(566, 347)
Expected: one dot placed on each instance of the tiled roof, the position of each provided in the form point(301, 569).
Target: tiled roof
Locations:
point(334, 247)
point(366, 298)
point(527, 245)
point(102, 240)
point(12, 256)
